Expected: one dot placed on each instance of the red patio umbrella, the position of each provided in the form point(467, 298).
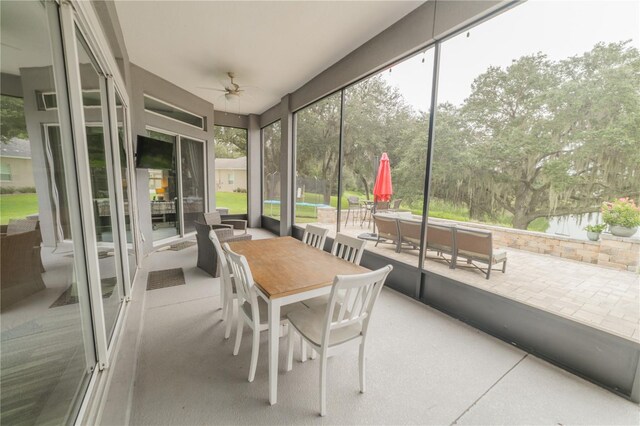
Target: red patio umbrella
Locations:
point(382, 190)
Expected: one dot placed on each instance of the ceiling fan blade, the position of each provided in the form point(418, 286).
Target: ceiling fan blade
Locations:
point(212, 88)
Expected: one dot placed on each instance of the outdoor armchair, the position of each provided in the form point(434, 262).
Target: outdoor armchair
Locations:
point(441, 239)
point(387, 230)
point(21, 267)
point(207, 255)
point(477, 246)
point(215, 221)
point(353, 208)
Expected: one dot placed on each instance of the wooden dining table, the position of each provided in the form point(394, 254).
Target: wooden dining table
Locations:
point(285, 271)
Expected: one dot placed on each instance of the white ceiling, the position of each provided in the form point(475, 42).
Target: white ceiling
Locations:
point(23, 36)
point(273, 47)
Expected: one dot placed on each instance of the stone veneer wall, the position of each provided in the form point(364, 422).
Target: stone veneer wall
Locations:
point(610, 251)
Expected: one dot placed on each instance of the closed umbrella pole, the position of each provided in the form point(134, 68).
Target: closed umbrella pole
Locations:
point(382, 190)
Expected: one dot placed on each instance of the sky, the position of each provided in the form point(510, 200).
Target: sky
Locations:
point(557, 28)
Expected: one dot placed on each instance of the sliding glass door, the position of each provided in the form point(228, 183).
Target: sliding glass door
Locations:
point(192, 180)
point(123, 148)
point(102, 186)
point(163, 194)
point(177, 195)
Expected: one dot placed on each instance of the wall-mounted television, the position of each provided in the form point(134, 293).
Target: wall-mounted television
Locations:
point(154, 154)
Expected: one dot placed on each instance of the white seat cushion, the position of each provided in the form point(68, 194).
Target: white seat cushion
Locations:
point(310, 323)
point(499, 256)
point(317, 302)
point(264, 310)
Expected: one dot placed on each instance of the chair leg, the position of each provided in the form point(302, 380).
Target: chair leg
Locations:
point(323, 383)
point(314, 354)
point(224, 308)
point(223, 299)
point(236, 349)
point(255, 348)
point(228, 318)
point(504, 266)
point(290, 342)
point(489, 270)
point(362, 368)
point(303, 350)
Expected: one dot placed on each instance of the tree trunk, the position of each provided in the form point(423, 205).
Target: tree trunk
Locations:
point(366, 186)
point(522, 209)
point(521, 222)
point(327, 194)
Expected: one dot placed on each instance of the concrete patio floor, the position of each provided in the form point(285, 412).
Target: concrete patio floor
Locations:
point(600, 297)
point(422, 367)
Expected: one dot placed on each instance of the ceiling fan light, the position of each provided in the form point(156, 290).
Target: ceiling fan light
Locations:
point(230, 96)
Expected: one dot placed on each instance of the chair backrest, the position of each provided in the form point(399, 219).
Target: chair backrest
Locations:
point(17, 226)
point(352, 299)
point(202, 229)
point(440, 236)
point(348, 248)
point(17, 261)
point(212, 218)
point(410, 230)
point(243, 278)
point(476, 243)
point(386, 226)
point(225, 274)
point(315, 236)
point(381, 205)
point(353, 201)
point(396, 203)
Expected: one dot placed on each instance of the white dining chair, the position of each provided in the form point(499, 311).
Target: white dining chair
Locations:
point(315, 236)
point(346, 248)
point(252, 309)
point(344, 323)
point(227, 287)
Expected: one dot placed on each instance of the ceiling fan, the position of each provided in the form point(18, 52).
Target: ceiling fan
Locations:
point(231, 91)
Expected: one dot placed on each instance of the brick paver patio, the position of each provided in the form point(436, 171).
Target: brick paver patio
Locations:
point(600, 297)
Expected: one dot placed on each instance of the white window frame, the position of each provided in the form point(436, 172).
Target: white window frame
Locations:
point(205, 199)
point(3, 172)
point(79, 16)
point(204, 120)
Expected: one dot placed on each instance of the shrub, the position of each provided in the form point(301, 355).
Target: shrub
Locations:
point(241, 190)
point(17, 190)
point(621, 212)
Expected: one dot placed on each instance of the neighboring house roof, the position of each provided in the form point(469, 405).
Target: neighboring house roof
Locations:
point(16, 148)
point(239, 163)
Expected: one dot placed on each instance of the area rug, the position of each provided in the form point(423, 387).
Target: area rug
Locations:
point(165, 278)
point(69, 298)
point(181, 246)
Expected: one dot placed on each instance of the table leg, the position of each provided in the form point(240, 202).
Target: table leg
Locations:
point(274, 340)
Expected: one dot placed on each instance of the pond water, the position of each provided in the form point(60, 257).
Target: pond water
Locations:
point(573, 225)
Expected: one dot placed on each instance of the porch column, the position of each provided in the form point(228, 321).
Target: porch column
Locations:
point(254, 171)
point(286, 165)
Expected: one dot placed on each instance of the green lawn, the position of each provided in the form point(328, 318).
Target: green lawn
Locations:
point(236, 202)
point(17, 206)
